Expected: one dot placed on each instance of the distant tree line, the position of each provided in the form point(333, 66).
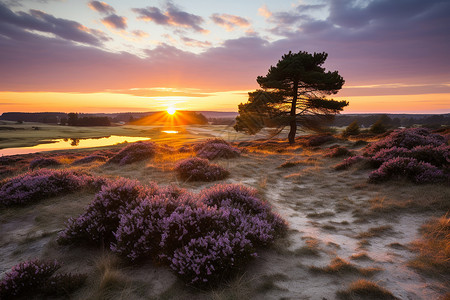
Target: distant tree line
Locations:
point(73, 119)
point(392, 121)
point(44, 117)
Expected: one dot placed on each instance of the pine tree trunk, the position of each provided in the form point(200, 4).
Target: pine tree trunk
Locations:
point(293, 122)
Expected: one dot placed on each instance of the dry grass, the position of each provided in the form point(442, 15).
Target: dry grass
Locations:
point(365, 289)
point(361, 256)
point(375, 232)
point(311, 247)
point(341, 266)
point(433, 247)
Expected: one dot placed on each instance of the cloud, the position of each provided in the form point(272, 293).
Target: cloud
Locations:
point(409, 50)
point(101, 7)
point(264, 11)
point(195, 43)
point(229, 22)
point(114, 21)
point(139, 33)
point(172, 16)
point(159, 92)
point(15, 25)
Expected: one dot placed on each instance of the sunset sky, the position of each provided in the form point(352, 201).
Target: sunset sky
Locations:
point(115, 56)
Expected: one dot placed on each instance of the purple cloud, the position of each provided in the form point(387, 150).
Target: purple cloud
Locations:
point(14, 26)
point(173, 16)
point(101, 7)
point(114, 21)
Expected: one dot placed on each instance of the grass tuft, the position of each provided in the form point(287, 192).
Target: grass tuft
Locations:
point(365, 289)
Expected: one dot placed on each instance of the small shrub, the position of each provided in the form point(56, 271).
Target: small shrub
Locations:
point(419, 172)
point(338, 152)
point(318, 140)
point(134, 152)
point(352, 129)
point(348, 162)
point(378, 127)
point(35, 277)
point(212, 258)
point(102, 216)
point(37, 185)
point(198, 169)
point(89, 159)
point(216, 148)
point(43, 162)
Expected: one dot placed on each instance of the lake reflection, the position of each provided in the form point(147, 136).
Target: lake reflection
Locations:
point(62, 144)
point(169, 131)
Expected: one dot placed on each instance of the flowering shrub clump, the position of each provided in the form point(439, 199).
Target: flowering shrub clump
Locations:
point(348, 162)
point(37, 185)
point(102, 216)
point(199, 169)
point(406, 138)
point(216, 148)
point(202, 240)
point(414, 153)
point(43, 162)
point(134, 152)
point(417, 171)
point(338, 152)
point(89, 159)
point(34, 277)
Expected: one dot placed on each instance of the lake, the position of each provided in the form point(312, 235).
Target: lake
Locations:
point(73, 143)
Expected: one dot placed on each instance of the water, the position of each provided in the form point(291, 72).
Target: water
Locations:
point(64, 144)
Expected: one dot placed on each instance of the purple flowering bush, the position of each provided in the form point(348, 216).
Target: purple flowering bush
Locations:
point(414, 153)
point(35, 277)
point(211, 258)
point(43, 162)
point(37, 185)
point(135, 152)
point(406, 138)
point(417, 171)
point(102, 215)
point(199, 169)
point(89, 159)
point(203, 238)
point(350, 161)
point(216, 148)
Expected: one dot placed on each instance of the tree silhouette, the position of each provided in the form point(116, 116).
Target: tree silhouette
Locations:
point(292, 93)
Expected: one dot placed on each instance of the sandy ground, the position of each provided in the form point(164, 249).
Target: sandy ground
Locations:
point(331, 214)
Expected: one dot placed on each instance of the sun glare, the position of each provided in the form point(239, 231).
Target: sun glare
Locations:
point(171, 110)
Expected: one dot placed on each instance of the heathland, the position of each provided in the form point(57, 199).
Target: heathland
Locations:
point(352, 217)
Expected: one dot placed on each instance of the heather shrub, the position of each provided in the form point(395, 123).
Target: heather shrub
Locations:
point(211, 258)
point(32, 278)
point(338, 152)
point(102, 216)
point(417, 171)
point(318, 140)
point(406, 138)
point(348, 162)
point(135, 152)
point(37, 185)
point(202, 240)
point(89, 159)
point(216, 148)
point(199, 169)
point(43, 162)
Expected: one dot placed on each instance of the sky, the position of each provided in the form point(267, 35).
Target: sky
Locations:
point(141, 55)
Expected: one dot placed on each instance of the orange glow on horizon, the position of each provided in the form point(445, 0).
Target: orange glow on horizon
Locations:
point(171, 110)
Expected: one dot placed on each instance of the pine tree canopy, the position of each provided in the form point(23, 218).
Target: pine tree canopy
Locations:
point(292, 93)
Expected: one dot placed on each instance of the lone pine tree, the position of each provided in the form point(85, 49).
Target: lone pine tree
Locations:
point(292, 94)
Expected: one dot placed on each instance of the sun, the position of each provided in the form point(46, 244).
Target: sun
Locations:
point(171, 110)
